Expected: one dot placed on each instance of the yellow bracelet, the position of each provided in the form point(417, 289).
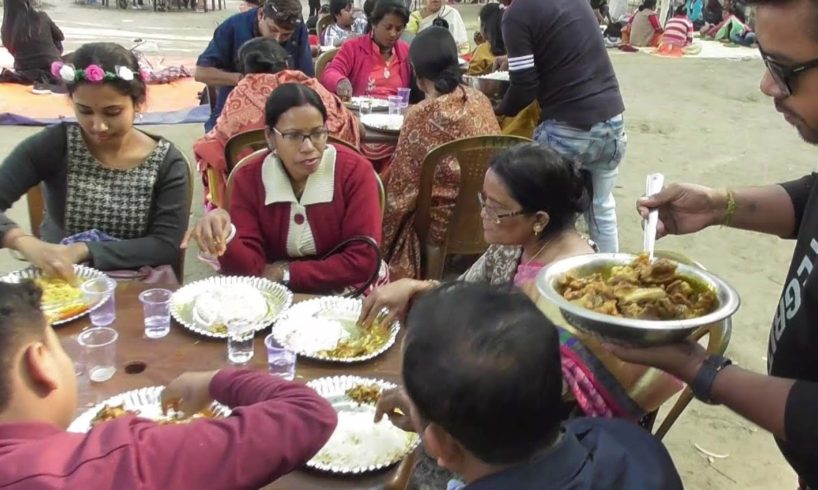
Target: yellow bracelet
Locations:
point(731, 208)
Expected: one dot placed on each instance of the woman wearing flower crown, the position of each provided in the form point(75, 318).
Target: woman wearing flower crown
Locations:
point(115, 197)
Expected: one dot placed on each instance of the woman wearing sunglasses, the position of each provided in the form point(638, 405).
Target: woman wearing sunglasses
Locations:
point(290, 208)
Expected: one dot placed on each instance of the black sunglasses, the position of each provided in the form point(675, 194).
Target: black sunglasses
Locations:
point(283, 18)
point(785, 75)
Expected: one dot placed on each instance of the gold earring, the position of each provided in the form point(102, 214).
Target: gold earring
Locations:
point(538, 229)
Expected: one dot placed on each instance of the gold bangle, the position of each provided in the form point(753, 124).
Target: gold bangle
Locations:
point(730, 213)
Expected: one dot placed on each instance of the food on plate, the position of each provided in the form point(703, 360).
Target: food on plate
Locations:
point(360, 342)
point(642, 289)
point(111, 412)
point(61, 299)
point(497, 75)
point(331, 335)
point(359, 442)
point(364, 394)
point(357, 101)
point(214, 307)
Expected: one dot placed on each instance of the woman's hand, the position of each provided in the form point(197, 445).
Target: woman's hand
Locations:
point(189, 393)
point(275, 271)
point(684, 208)
point(500, 64)
point(394, 298)
point(396, 405)
point(344, 89)
point(211, 233)
point(53, 260)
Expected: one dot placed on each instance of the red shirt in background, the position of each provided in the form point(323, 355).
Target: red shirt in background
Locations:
point(276, 427)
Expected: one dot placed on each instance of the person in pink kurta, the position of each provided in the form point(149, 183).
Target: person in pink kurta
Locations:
point(377, 63)
point(451, 111)
point(276, 425)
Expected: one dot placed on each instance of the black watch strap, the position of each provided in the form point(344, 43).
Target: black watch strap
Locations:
point(703, 384)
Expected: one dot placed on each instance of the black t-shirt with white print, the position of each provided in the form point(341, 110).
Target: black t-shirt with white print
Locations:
point(793, 344)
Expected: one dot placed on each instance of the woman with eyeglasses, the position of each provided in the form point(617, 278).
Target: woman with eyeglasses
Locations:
point(450, 111)
point(290, 208)
point(264, 64)
point(531, 199)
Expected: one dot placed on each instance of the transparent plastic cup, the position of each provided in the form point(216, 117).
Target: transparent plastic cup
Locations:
point(101, 290)
point(280, 360)
point(156, 310)
point(240, 335)
point(100, 352)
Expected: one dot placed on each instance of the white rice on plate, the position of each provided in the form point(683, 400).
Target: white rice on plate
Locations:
point(239, 301)
point(497, 75)
point(358, 442)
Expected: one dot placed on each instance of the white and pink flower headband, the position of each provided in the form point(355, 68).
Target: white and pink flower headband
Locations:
point(94, 73)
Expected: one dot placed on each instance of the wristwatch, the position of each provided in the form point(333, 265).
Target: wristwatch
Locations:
point(285, 273)
point(703, 383)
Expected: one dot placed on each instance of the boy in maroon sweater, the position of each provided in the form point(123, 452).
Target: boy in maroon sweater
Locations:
point(276, 425)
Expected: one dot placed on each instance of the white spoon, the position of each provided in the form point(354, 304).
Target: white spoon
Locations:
point(653, 184)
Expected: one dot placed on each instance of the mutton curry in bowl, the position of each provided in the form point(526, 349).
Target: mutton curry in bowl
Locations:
point(626, 298)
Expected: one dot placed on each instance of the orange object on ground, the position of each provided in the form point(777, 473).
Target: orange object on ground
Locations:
point(18, 99)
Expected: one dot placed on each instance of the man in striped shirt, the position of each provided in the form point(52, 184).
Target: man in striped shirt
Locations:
point(557, 56)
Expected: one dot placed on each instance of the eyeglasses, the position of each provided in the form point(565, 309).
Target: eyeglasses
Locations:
point(785, 75)
point(317, 137)
point(491, 213)
point(288, 19)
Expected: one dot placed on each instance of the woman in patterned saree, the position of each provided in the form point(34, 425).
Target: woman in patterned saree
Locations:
point(449, 112)
point(531, 199)
point(115, 196)
point(264, 64)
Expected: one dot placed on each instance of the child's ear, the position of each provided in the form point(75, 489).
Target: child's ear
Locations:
point(448, 452)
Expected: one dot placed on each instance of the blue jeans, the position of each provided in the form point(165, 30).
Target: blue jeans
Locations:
point(599, 150)
point(743, 38)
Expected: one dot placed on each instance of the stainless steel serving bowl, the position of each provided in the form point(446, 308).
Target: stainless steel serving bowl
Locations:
point(630, 330)
point(493, 89)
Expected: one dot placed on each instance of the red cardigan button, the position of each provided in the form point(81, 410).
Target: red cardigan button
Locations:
point(299, 219)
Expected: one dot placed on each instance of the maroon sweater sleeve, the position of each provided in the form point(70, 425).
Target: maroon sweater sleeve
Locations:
point(362, 217)
point(245, 254)
point(275, 428)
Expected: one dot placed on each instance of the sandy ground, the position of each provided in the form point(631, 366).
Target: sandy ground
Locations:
point(701, 121)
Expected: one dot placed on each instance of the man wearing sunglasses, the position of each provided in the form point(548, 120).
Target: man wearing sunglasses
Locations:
point(281, 20)
point(784, 402)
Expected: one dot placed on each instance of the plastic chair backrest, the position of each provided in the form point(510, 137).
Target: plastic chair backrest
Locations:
point(322, 25)
point(464, 234)
point(232, 175)
point(36, 209)
point(239, 143)
point(323, 60)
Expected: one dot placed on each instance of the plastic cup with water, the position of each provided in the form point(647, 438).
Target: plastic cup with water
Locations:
point(365, 106)
point(99, 344)
point(403, 93)
point(280, 360)
point(394, 105)
point(240, 335)
point(156, 310)
point(102, 291)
